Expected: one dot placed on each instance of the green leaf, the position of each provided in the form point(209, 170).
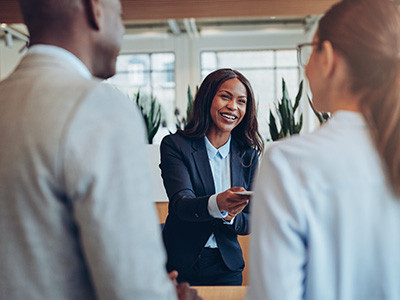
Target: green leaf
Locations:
point(291, 119)
point(151, 114)
point(285, 113)
point(285, 110)
point(273, 130)
point(284, 90)
point(299, 125)
point(182, 121)
point(298, 96)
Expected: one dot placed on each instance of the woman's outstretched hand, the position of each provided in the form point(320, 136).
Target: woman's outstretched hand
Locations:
point(231, 202)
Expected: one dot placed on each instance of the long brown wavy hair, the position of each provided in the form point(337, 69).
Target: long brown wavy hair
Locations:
point(200, 121)
point(367, 34)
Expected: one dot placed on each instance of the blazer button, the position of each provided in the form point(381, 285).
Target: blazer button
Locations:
point(196, 215)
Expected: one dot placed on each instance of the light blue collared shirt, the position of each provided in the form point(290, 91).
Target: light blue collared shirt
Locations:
point(220, 167)
point(62, 54)
point(325, 220)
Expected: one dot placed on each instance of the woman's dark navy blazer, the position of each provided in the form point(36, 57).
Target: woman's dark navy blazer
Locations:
point(189, 183)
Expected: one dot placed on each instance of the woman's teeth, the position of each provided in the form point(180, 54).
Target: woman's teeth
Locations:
point(230, 117)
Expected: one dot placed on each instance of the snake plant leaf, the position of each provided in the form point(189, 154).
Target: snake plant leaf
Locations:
point(272, 127)
point(292, 128)
point(137, 97)
point(151, 114)
point(285, 113)
point(181, 122)
point(298, 96)
point(154, 118)
point(285, 93)
point(299, 125)
point(278, 113)
point(290, 119)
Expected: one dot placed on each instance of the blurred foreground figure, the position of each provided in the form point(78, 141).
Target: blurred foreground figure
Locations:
point(76, 214)
point(326, 211)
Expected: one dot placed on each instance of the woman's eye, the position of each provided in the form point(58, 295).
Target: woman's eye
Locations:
point(243, 101)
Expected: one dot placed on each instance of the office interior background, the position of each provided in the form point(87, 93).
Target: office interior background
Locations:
point(170, 45)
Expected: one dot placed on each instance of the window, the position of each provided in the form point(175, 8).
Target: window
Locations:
point(264, 69)
point(149, 73)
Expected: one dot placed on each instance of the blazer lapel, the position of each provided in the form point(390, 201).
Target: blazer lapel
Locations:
point(236, 165)
point(200, 158)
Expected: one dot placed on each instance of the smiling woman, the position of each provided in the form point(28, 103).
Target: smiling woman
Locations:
point(227, 111)
point(203, 168)
point(215, 86)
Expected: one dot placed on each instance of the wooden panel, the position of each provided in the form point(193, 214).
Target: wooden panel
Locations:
point(9, 12)
point(244, 241)
point(162, 209)
point(222, 292)
point(179, 9)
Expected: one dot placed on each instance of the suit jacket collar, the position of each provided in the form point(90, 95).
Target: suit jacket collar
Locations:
point(236, 164)
point(200, 158)
point(63, 55)
point(34, 61)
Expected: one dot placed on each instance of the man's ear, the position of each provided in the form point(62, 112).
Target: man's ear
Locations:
point(93, 13)
point(327, 55)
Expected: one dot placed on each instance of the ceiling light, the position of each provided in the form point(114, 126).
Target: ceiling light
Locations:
point(173, 24)
point(190, 27)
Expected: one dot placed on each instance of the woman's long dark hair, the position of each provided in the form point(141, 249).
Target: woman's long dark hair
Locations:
point(367, 34)
point(200, 121)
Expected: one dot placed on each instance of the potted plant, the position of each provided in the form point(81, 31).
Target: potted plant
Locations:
point(151, 112)
point(285, 112)
point(181, 122)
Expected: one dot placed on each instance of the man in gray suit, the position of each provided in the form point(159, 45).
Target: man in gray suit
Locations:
point(76, 214)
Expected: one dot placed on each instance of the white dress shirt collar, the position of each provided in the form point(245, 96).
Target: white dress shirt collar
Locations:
point(63, 54)
point(345, 118)
point(223, 150)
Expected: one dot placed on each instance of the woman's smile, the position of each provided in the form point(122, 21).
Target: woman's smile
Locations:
point(229, 117)
point(228, 107)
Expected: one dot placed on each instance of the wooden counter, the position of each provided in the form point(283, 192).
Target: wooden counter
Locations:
point(222, 292)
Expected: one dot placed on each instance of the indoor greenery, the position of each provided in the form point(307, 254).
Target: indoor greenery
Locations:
point(151, 112)
point(286, 115)
point(181, 122)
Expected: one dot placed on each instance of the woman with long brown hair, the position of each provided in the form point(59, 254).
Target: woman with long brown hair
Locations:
point(207, 169)
point(326, 210)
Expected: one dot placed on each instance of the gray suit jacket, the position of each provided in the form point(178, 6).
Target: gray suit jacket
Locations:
point(76, 214)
